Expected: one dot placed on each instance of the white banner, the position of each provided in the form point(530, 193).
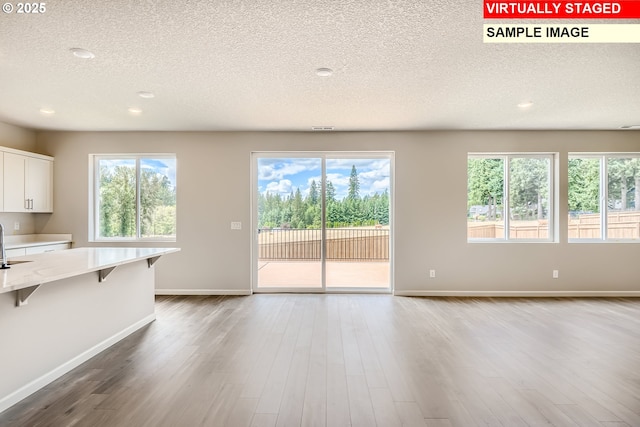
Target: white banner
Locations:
point(561, 33)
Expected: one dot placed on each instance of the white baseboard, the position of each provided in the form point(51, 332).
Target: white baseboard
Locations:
point(38, 383)
point(528, 294)
point(203, 292)
point(419, 293)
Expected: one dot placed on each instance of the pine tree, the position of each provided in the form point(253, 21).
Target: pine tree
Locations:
point(354, 185)
point(314, 197)
point(331, 192)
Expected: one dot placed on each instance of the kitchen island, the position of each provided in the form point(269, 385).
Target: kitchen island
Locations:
point(58, 309)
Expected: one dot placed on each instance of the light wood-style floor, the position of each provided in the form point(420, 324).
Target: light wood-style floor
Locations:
point(359, 360)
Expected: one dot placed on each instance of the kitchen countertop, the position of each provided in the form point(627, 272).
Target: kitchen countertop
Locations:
point(29, 240)
point(51, 266)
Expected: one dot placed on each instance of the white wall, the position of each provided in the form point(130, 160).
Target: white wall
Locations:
point(430, 211)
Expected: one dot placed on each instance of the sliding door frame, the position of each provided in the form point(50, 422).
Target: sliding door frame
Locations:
point(323, 155)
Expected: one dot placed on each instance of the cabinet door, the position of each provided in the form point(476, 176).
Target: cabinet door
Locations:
point(15, 252)
point(31, 250)
point(14, 183)
point(38, 185)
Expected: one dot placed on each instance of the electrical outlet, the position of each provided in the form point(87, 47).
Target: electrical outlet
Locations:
point(236, 225)
point(432, 274)
point(555, 274)
point(16, 226)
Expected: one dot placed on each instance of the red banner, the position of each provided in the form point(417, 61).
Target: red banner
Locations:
point(622, 9)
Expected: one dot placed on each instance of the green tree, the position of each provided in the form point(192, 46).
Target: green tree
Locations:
point(331, 192)
point(529, 187)
point(624, 183)
point(354, 185)
point(584, 185)
point(294, 211)
point(485, 184)
point(118, 201)
point(314, 196)
point(156, 193)
point(298, 210)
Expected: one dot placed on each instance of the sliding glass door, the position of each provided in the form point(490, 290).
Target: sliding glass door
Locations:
point(357, 222)
point(322, 222)
point(289, 232)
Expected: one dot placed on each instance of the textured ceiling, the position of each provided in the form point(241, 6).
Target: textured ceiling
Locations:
point(250, 65)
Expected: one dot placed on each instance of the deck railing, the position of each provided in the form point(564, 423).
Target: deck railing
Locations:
point(342, 244)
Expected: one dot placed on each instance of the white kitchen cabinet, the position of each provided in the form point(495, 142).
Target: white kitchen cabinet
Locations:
point(28, 183)
point(16, 252)
point(38, 185)
point(32, 250)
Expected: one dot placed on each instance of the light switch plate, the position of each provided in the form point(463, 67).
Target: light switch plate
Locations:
point(236, 225)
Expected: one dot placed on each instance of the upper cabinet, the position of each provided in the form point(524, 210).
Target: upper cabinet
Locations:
point(39, 184)
point(27, 182)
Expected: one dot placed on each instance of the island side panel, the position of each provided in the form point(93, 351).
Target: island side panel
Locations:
point(67, 321)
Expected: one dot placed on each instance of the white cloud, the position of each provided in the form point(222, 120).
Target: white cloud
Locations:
point(340, 184)
point(373, 175)
point(282, 187)
point(379, 186)
point(276, 169)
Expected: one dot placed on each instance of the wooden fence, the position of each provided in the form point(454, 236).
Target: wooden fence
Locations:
point(530, 230)
point(342, 244)
point(620, 225)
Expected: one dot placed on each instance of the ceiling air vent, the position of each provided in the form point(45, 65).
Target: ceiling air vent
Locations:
point(322, 128)
point(630, 127)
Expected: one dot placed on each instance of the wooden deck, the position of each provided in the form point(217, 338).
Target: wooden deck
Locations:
point(305, 274)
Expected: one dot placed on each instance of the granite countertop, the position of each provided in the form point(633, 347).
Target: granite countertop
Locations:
point(51, 266)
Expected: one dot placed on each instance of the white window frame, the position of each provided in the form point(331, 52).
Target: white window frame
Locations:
point(94, 196)
point(553, 191)
point(604, 194)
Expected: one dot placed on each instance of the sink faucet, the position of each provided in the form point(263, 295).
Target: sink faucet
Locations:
point(3, 261)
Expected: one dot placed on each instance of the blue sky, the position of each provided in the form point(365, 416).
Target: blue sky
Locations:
point(284, 175)
point(164, 166)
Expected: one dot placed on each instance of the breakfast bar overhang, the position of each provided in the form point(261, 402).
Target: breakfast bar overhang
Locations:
point(59, 309)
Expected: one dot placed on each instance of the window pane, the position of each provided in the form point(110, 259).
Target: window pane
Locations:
point(158, 197)
point(584, 198)
point(623, 191)
point(485, 198)
point(529, 190)
point(117, 192)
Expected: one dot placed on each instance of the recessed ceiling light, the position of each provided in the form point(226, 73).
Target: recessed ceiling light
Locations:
point(135, 110)
point(47, 111)
point(525, 104)
point(324, 72)
point(82, 53)
point(146, 94)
